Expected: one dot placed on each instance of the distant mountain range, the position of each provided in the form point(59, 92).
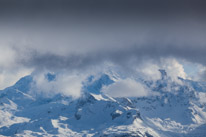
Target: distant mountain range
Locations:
point(177, 110)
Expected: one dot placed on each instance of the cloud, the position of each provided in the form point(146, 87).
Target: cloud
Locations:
point(69, 41)
point(124, 46)
point(80, 35)
point(7, 57)
point(127, 88)
point(115, 31)
point(201, 74)
point(173, 68)
point(10, 70)
point(149, 70)
point(10, 77)
point(68, 84)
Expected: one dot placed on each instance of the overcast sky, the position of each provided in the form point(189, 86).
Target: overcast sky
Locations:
point(76, 35)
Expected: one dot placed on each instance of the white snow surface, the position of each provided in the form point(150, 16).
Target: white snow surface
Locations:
point(177, 110)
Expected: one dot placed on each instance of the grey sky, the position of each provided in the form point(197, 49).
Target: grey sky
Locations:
point(78, 34)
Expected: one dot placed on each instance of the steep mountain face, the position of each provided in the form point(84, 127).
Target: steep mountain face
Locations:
point(179, 109)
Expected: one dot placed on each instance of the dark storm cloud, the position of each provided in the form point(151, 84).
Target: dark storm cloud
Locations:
point(94, 9)
point(124, 58)
point(77, 34)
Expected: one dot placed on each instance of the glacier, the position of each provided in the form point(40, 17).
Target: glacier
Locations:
point(179, 109)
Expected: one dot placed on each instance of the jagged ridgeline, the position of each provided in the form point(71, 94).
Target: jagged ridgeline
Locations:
point(177, 109)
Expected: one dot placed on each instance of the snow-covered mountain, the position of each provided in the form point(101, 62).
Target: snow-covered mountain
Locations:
point(177, 109)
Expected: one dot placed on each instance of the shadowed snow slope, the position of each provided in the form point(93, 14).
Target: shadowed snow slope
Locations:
point(177, 109)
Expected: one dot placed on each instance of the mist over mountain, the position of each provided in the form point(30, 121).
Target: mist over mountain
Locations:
point(103, 68)
point(168, 108)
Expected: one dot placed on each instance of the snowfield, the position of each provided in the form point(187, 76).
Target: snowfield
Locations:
point(175, 110)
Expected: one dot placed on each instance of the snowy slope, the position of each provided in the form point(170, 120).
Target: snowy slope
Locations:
point(178, 110)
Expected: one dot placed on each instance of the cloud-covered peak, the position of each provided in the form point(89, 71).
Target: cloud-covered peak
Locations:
point(79, 35)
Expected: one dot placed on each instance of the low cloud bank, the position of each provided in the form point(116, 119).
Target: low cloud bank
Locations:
point(127, 88)
point(68, 84)
point(79, 35)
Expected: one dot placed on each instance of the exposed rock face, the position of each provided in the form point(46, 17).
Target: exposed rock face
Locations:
point(178, 110)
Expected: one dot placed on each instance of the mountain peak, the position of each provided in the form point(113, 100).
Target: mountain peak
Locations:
point(98, 114)
point(24, 84)
point(94, 86)
point(163, 74)
point(50, 77)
